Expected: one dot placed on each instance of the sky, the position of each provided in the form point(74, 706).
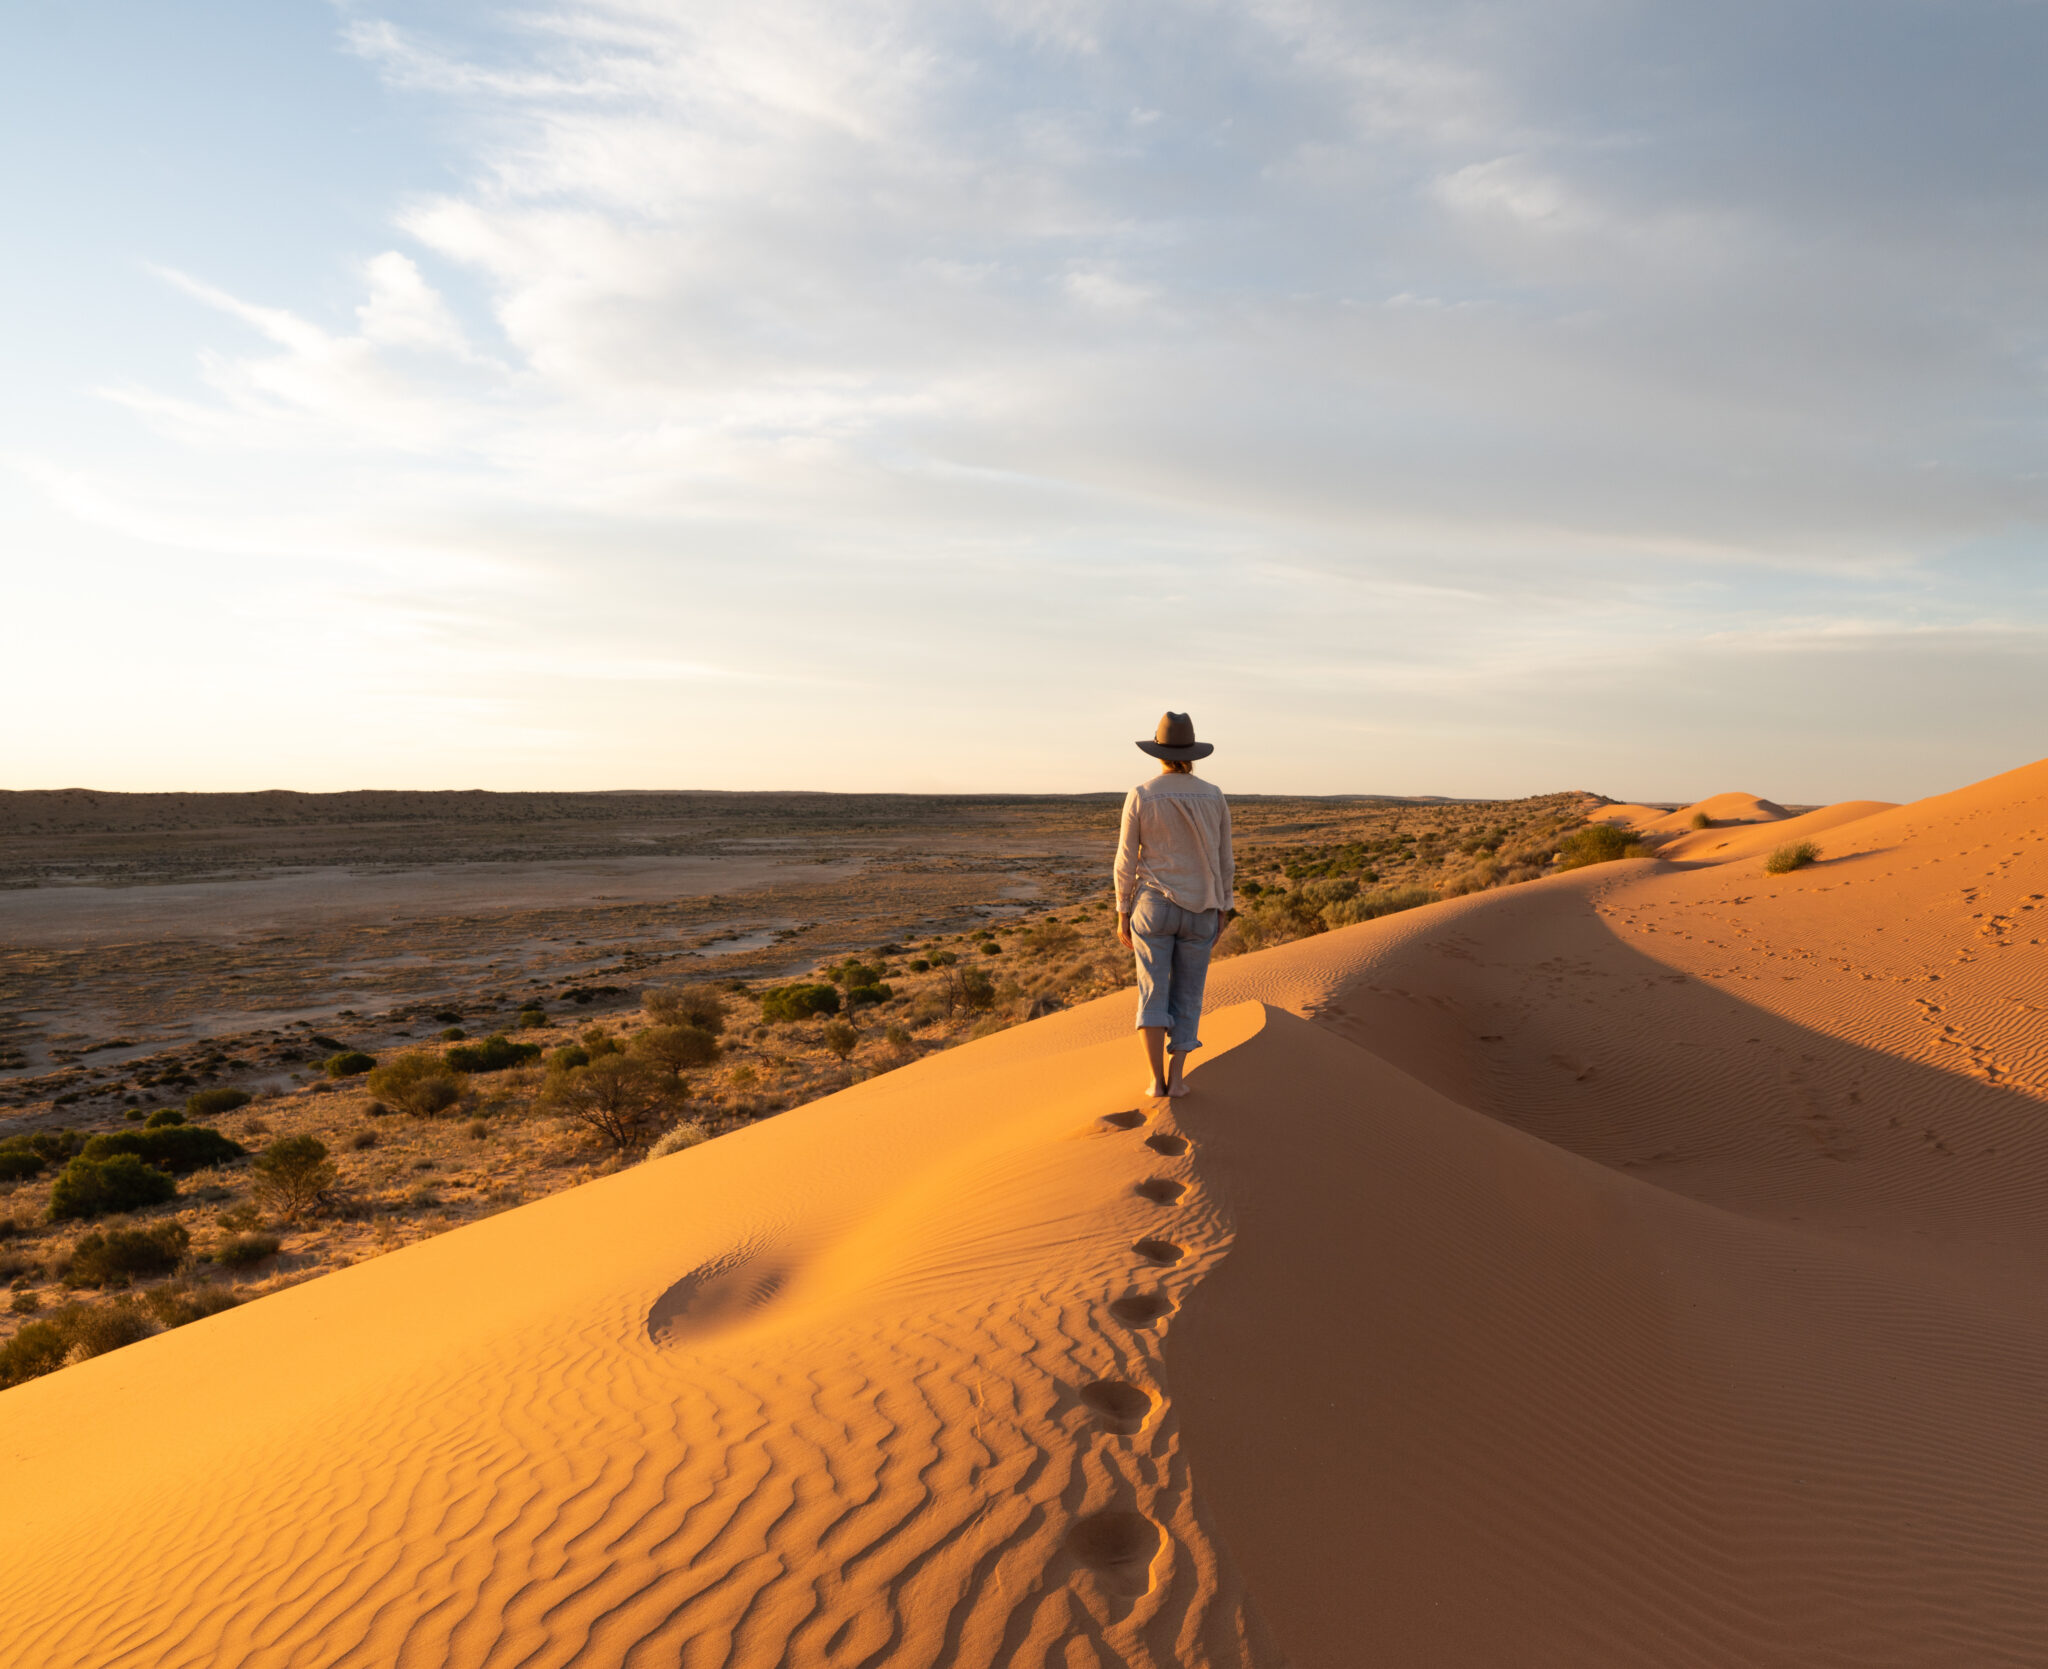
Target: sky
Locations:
point(1429, 397)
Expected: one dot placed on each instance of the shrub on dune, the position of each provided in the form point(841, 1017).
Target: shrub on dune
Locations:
point(1788, 858)
point(240, 1251)
point(494, 1054)
point(418, 1082)
point(1598, 843)
point(349, 1063)
point(118, 1256)
point(675, 1049)
point(702, 1006)
point(292, 1176)
point(1700, 820)
point(177, 1148)
point(677, 1137)
point(623, 1099)
point(798, 1001)
point(95, 1187)
point(207, 1103)
point(71, 1335)
point(1370, 906)
point(840, 1038)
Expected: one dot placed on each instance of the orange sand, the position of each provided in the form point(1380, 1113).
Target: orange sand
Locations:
point(1642, 1266)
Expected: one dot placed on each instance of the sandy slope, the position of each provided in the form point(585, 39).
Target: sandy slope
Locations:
point(1640, 1267)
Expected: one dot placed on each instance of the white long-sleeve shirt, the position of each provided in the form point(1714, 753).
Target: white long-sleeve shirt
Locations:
point(1176, 840)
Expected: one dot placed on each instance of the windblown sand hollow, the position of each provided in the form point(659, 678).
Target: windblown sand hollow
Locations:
point(1640, 1266)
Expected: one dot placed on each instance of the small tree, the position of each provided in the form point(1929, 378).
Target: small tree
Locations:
point(292, 1176)
point(418, 1081)
point(840, 1038)
point(702, 1006)
point(621, 1097)
point(119, 1182)
point(675, 1049)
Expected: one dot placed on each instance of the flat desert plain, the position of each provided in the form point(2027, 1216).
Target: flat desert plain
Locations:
point(1639, 1266)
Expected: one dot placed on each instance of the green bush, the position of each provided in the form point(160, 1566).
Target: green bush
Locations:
point(598, 1040)
point(840, 1038)
point(19, 1163)
point(177, 1148)
point(117, 1256)
point(530, 1019)
point(494, 1054)
point(621, 1097)
point(120, 1182)
point(973, 990)
point(702, 1006)
point(350, 1063)
point(1788, 858)
point(799, 1001)
point(1370, 906)
point(73, 1333)
point(568, 1056)
point(170, 1115)
point(675, 1049)
point(852, 972)
point(419, 1081)
point(1598, 843)
point(292, 1175)
point(241, 1251)
point(453, 1034)
point(211, 1103)
point(864, 996)
point(1700, 820)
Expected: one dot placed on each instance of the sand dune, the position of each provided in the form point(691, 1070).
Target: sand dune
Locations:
point(1640, 1266)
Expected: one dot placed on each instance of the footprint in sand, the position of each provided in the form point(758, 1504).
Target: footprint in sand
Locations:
point(1172, 1146)
point(1158, 1251)
point(1161, 1190)
point(1125, 1121)
point(1118, 1546)
point(1117, 1403)
point(1139, 1309)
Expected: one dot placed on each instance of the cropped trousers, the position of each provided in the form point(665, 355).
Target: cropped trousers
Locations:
point(1172, 946)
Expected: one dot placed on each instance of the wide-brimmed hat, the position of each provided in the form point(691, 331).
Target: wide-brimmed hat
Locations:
point(1175, 739)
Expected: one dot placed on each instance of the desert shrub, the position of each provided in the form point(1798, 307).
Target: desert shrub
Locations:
point(702, 1006)
point(675, 1049)
point(971, 989)
point(24, 1303)
point(530, 1019)
point(1276, 918)
point(1788, 858)
point(898, 1037)
point(418, 1081)
point(176, 1304)
point(1700, 820)
point(292, 1175)
point(479, 1129)
point(840, 1038)
point(798, 1001)
point(362, 1141)
point(71, 1334)
point(494, 1054)
point(677, 1137)
point(863, 996)
point(17, 1164)
point(598, 1040)
point(852, 972)
point(118, 1256)
point(1598, 843)
point(451, 1034)
point(119, 1182)
point(569, 1055)
point(622, 1098)
point(241, 1251)
point(170, 1115)
point(350, 1063)
point(209, 1103)
point(920, 965)
point(1370, 906)
point(177, 1148)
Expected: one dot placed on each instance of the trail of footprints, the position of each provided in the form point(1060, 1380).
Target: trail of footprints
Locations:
point(1119, 1544)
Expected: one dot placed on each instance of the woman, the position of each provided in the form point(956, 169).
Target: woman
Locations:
point(1174, 876)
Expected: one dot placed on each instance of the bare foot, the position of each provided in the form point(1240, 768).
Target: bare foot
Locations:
point(1156, 1090)
point(1178, 1089)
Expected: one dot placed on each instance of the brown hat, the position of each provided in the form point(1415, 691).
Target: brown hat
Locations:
point(1175, 739)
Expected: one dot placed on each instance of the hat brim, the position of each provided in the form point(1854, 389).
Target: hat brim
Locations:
point(1194, 750)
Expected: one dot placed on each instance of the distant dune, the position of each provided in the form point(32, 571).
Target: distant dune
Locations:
point(1641, 1266)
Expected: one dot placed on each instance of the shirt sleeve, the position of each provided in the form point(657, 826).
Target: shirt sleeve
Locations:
point(1128, 846)
point(1226, 863)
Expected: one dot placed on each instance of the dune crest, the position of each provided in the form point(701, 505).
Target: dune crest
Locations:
point(1640, 1266)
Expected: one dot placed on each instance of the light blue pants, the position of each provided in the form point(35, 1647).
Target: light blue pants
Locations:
point(1172, 947)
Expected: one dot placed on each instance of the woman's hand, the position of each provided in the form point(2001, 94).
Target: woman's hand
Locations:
point(1123, 930)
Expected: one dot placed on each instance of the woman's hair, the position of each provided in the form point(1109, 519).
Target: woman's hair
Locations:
point(1185, 767)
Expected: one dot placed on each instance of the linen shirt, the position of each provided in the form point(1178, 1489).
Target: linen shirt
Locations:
point(1176, 840)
